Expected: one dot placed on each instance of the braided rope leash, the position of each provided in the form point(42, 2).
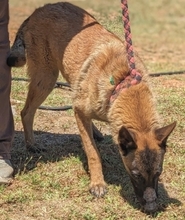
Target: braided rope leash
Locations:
point(134, 76)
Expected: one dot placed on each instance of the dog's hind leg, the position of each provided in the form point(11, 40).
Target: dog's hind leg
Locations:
point(41, 84)
point(96, 133)
point(97, 186)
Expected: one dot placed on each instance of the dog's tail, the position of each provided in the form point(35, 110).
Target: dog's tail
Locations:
point(17, 56)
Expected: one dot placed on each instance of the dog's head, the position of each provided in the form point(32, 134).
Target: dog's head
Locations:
point(143, 156)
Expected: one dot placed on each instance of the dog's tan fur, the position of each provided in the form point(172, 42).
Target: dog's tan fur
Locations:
point(64, 37)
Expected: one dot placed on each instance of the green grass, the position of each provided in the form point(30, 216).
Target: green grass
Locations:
point(54, 184)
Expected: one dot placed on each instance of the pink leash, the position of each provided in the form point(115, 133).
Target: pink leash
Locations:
point(134, 76)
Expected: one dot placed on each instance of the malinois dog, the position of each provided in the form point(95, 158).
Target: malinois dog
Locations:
point(63, 37)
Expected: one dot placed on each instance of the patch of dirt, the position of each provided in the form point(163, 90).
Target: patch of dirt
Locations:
point(175, 82)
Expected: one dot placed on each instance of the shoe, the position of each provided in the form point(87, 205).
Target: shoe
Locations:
point(6, 171)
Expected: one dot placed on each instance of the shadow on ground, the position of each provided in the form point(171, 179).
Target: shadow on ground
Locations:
point(59, 146)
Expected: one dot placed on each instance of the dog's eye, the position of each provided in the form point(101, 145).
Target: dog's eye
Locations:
point(137, 175)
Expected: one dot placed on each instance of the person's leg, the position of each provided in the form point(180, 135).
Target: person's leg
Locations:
point(6, 118)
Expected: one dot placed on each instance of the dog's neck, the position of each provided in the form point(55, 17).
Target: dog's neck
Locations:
point(132, 79)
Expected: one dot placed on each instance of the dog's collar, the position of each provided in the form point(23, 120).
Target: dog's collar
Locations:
point(132, 79)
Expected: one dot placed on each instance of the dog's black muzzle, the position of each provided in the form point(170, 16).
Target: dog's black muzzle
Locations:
point(146, 196)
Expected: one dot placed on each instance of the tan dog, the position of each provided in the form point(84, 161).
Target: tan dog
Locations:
point(64, 37)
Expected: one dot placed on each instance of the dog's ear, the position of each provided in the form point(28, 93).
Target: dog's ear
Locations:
point(162, 134)
point(126, 140)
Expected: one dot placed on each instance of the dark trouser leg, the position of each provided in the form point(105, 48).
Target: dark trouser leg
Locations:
point(6, 118)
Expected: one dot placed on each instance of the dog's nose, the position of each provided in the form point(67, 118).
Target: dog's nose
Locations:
point(150, 197)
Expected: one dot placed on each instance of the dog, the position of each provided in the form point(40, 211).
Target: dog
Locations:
point(63, 37)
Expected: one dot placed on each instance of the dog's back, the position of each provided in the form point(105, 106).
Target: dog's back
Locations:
point(59, 36)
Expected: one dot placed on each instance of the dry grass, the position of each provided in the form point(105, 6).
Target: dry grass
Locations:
point(54, 184)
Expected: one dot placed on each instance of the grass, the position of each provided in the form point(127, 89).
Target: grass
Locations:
point(54, 184)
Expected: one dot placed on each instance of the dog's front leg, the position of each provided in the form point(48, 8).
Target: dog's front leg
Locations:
point(97, 186)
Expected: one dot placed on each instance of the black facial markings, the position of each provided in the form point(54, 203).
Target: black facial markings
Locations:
point(148, 166)
point(151, 161)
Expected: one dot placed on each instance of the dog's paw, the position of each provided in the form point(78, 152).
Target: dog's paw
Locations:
point(98, 190)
